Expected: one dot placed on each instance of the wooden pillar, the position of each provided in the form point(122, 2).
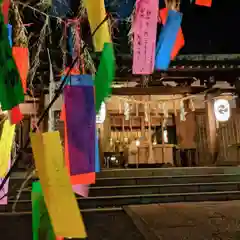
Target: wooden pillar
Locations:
point(211, 129)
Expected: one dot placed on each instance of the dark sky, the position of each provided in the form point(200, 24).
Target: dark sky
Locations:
point(206, 30)
point(212, 30)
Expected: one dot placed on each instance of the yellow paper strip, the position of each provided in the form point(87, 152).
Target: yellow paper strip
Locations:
point(59, 198)
point(6, 141)
point(96, 14)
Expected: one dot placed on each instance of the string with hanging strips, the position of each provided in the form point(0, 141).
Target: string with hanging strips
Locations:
point(45, 112)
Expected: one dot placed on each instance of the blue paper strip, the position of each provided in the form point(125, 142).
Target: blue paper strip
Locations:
point(9, 29)
point(167, 40)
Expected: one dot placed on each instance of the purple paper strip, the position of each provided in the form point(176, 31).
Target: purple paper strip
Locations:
point(4, 192)
point(81, 120)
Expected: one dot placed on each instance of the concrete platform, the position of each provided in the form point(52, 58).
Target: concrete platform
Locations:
point(188, 221)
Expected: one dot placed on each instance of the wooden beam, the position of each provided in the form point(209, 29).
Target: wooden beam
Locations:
point(162, 90)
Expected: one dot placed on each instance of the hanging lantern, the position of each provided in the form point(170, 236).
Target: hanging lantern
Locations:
point(222, 110)
point(100, 118)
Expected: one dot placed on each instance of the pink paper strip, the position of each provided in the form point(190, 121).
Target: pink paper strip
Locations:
point(4, 191)
point(81, 189)
point(145, 30)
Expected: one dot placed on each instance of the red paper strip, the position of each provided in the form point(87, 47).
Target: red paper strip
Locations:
point(86, 178)
point(15, 115)
point(20, 55)
point(180, 42)
point(205, 3)
point(5, 8)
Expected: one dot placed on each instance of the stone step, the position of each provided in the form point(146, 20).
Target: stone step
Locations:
point(153, 189)
point(156, 180)
point(176, 171)
point(122, 200)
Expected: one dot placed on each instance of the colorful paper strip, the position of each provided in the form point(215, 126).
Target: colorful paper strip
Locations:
point(4, 191)
point(180, 42)
point(105, 75)
point(57, 190)
point(21, 58)
point(145, 30)
point(167, 40)
point(86, 178)
point(81, 123)
point(15, 115)
point(6, 142)
point(205, 3)
point(41, 223)
point(96, 14)
point(5, 8)
point(11, 92)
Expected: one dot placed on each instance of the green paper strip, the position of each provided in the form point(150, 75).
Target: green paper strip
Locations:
point(11, 91)
point(41, 223)
point(105, 75)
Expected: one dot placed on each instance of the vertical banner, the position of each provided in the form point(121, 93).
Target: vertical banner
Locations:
point(96, 14)
point(11, 91)
point(9, 29)
point(167, 39)
point(81, 128)
point(86, 178)
point(41, 223)
point(6, 142)
point(4, 191)
point(180, 42)
point(104, 76)
point(145, 31)
point(20, 55)
point(205, 3)
point(57, 190)
point(5, 8)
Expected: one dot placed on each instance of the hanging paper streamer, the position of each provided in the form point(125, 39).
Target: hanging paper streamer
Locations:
point(9, 29)
point(5, 8)
point(179, 43)
point(80, 120)
point(4, 191)
point(57, 190)
point(15, 115)
point(105, 75)
point(11, 92)
point(145, 30)
point(41, 223)
point(97, 161)
point(205, 3)
point(167, 40)
point(20, 55)
point(81, 189)
point(96, 14)
point(86, 178)
point(6, 141)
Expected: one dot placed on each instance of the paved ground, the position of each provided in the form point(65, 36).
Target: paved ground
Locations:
point(188, 221)
point(115, 225)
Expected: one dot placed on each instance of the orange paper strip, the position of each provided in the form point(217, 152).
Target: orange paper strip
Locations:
point(20, 55)
point(205, 3)
point(179, 39)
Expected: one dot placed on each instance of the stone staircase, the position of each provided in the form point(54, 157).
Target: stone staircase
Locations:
point(116, 188)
